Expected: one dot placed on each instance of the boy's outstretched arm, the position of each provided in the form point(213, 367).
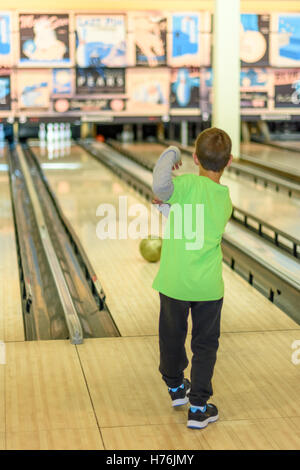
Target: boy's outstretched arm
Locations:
point(162, 174)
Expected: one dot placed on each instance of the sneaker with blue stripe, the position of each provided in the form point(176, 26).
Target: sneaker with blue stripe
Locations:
point(179, 395)
point(198, 419)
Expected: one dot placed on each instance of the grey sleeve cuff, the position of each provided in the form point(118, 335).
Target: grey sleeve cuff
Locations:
point(162, 174)
point(164, 209)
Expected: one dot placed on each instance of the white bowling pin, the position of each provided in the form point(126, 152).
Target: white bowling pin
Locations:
point(50, 132)
point(56, 132)
point(62, 132)
point(61, 139)
point(42, 135)
point(68, 132)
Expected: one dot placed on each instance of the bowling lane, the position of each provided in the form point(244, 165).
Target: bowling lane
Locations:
point(137, 170)
point(11, 319)
point(276, 209)
point(277, 158)
point(81, 186)
point(289, 144)
point(151, 152)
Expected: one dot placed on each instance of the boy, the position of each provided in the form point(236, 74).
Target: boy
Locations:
point(190, 273)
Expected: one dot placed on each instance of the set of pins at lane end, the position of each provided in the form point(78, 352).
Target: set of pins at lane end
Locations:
point(56, 138)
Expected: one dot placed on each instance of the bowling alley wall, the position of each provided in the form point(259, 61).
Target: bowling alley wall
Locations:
point(122, 67)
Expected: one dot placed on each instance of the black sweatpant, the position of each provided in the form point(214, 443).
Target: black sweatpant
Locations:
point(205, 341)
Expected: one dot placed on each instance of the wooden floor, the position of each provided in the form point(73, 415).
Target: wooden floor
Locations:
point(108, 394)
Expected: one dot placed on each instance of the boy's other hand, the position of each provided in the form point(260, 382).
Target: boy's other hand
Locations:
point(157, 201)
point(177, 165)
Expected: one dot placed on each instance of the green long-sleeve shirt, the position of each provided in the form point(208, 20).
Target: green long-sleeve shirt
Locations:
point(191, 258)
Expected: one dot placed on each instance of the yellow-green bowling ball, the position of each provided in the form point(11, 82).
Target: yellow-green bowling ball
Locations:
point(150, 248)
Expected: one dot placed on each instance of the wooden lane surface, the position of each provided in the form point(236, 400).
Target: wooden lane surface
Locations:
point(290, 161)
point(11, 320)
point(290, 144)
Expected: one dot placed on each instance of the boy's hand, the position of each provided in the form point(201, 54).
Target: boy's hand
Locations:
point(177, 165)
point(157, 201)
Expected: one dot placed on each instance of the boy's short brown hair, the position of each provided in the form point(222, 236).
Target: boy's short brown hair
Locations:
point(213, 149)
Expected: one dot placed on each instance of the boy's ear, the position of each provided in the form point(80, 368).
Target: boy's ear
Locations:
point(230, 160)
point(195, 159)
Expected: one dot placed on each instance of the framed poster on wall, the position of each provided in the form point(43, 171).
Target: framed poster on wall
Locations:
point(287, 88)
point(147, 39)
point(44, 40)
point(185, 89)
point(254, 39)
point(101, 40)
point(184, 40)
point(34, 89)
point(147, 91)
point(285, 40)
